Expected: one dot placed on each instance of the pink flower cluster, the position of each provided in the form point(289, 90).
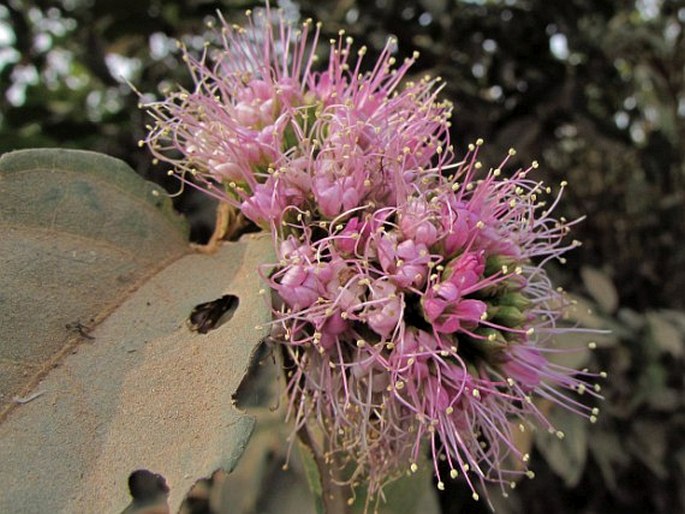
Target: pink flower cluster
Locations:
point(428, 321)
point(415, 310)
point(264, 132)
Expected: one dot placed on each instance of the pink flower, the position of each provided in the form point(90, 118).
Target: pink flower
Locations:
point(405, 262)
point(334, 196)
point(298, 286)
point(348, 239)
point(417, 222)
point(465, 270)
point(448, 312)
point(385, 308)
point(459, 225)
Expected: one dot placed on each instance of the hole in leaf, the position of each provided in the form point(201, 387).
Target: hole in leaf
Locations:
point(257, 386)
point(210, 315)
point(148, 489)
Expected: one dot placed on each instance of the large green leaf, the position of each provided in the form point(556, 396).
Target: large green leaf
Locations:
point(145, 392)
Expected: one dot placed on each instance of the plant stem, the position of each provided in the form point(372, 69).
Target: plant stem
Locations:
point(333, 495)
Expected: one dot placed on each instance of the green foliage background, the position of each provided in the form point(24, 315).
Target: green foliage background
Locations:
point(593, 89)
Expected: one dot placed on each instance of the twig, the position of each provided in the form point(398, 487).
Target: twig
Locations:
point(332, 494)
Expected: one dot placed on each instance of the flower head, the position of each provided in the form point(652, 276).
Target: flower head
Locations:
point(262, 129)
point(433, 322)
point(414, 305)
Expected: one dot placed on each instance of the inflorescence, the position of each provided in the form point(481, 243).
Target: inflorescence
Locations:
point(414, 307)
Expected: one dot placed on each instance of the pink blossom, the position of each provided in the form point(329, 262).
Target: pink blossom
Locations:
point(465, 270)
point(448, 312)
point(418, 222)
point(384, 311)
point(298, 286)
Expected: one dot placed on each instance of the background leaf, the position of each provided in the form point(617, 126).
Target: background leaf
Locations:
point(145, 392)
point(600, 287)
point(665, 334)
point(565, 456)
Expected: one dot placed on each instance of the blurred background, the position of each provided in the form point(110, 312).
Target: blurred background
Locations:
point(593, 89)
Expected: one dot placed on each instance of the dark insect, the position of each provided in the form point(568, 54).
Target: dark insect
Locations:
point(80, 329)
point(207, 316)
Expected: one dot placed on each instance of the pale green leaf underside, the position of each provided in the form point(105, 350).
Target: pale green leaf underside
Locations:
point(145, 392)
point(79, 229)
